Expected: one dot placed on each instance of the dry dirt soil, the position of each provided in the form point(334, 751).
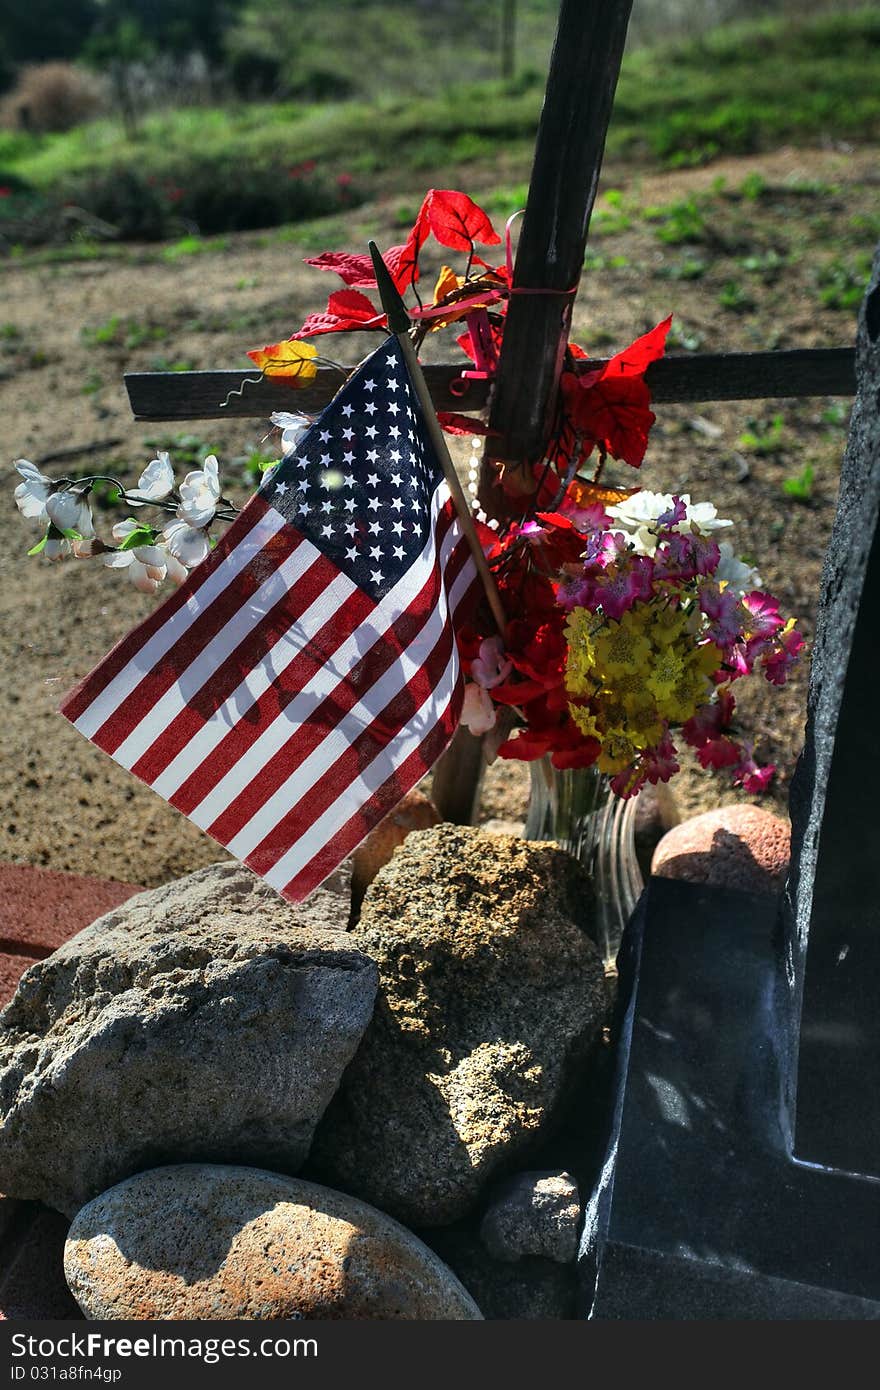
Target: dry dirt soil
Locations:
point(773, 228)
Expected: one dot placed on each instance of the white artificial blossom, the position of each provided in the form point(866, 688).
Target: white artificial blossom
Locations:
point(199, 494)
point(155, 483)
point(637, 518)
point(188, 545)
point(32, 494)
point(143, 565)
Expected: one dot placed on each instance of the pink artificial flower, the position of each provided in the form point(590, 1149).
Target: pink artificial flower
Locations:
point(661, 762)
point(586, 519)
point(721, 607)
point(748, 775)
point(780, 661)
point(764, 616)
point(685, 556)
point(491, 667)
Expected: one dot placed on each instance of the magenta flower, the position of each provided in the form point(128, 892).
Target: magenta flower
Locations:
point(748, 775)
point(780, 661)
point(683, 557)
point(625, 579)
point(721, 607)
point(661, 762)
point(764, 616)
point(673, 516)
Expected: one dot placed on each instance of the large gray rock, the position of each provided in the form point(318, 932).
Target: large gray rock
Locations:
point(201, 1020)
point(491, 994)
point(200, 1241)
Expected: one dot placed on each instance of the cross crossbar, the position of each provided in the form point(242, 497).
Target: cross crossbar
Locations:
point(724, 376)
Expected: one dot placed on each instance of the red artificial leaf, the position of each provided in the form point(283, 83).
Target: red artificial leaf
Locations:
point(635, 360)
point(354, 270)
point(346, 309)
point(462, 424)
point(615, 413)
point(403, 264)
point(498, 272)
point(577, 351)
point(612, 406)
point(456, 220)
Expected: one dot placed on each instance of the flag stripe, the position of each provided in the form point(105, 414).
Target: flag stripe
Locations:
point(313, 753)
point(211, 637)
point(302, 864)
point(263, 654)
point(401, 780)
point(98, 681)
point(292, 696)
point(363, 764)
point(262, 773)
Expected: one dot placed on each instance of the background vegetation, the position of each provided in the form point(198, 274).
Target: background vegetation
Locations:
point(152, 119)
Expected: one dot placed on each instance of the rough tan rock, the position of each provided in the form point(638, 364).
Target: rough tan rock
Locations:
point(533, 1214)
point(491, 993)
point(201, 1241)
point(415, 812)
point(208, 1019)
point(733, 847)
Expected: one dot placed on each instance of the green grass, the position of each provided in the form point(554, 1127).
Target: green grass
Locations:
point(738, 89)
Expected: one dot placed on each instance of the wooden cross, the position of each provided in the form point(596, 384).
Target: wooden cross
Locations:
point(583, 74)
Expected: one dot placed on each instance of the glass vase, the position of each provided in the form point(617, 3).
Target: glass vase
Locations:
point(576, 808)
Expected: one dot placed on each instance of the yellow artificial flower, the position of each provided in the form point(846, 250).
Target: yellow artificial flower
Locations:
point(623, 647)
point(617, 752)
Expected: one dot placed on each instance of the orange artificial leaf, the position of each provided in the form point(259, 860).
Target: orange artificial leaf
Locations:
point(292, 360)
point(585, 494)
point(447, 283)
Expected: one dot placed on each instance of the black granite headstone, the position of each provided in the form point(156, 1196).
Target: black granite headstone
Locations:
point(741, 1174)
point(832, 901)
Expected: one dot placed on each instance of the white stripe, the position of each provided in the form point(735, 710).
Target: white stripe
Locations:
point(337, 740)
point(363, 787)
point(108, 700)
point(350, 652)
point(207, 662)
point(255, 684)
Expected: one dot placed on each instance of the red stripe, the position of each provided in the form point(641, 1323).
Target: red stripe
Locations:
point(233, 746)
point(358, 755)
point(206, 623)
point(383, 800)
point(250, 652)
point(332, 709)
point(77, 700)
point(274, 702)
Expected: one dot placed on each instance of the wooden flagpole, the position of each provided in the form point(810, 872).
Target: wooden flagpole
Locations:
point(399, 323)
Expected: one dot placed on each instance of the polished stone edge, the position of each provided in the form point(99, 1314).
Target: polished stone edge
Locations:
point(701, 1211)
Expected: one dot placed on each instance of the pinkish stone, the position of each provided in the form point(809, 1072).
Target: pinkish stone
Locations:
point(40, 909)
point(742, 847)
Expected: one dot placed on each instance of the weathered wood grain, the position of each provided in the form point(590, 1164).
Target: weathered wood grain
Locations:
point(731, 376)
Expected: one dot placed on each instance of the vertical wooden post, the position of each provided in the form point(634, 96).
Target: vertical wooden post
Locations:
point(583, 76)
point(584, 68)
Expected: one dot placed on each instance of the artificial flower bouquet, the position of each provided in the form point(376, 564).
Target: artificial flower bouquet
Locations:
point(629, 616)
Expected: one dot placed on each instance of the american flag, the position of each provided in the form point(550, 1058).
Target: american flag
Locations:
point(305, 675)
